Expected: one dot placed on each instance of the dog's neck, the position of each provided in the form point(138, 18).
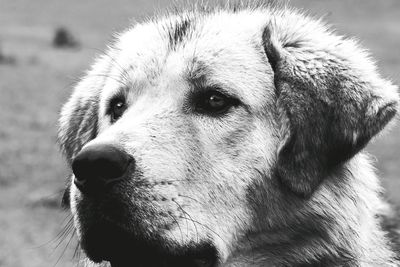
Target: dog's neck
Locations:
point(314, 233)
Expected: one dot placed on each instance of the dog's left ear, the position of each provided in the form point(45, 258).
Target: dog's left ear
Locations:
point(79, 116)
point(331, 100)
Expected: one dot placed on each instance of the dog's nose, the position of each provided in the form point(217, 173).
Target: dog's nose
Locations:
point(99, 166)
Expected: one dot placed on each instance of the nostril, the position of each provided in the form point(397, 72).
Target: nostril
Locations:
point(80, 167)
point(80, 183)
point(97, 165)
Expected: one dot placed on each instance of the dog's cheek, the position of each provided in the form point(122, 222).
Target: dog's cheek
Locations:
point(233, 155)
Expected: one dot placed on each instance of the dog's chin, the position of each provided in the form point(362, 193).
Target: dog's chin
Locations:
point(107, 242)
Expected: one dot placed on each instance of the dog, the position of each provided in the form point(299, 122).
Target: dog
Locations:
point(228, 137)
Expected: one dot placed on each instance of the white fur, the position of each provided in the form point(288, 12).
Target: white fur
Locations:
point(166, 142)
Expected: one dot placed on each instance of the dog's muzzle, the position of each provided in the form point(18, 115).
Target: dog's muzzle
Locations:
point(113, 227)
point(97, 167)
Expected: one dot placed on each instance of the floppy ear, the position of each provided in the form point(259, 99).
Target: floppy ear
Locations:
point(79, 116)
point(330, 97)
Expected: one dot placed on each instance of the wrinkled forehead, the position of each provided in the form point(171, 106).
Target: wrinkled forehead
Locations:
point(219, 49)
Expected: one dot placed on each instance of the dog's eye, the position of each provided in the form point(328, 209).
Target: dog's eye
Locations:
point(117, 108)
point(213, 102)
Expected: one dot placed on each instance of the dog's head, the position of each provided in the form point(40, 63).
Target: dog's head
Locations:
point(175, 124)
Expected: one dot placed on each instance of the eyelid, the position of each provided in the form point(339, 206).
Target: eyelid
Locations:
point(119, 96)
point(232, 94)
point(198, 91)
point(197, 96)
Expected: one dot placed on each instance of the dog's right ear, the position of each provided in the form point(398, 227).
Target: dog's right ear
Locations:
point(330, 99)
point(79, 116)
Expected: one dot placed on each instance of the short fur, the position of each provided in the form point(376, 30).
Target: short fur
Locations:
point(281, 179)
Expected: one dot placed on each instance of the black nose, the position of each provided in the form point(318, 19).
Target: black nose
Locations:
point(98, 166)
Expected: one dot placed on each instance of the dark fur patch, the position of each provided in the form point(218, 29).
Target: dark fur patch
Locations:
point(178, 32)
point(288, 225)
point(329, 116)
point(269, 49)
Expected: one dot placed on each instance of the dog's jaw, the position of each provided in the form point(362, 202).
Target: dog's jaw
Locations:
point(122, 238)
point(107, 242)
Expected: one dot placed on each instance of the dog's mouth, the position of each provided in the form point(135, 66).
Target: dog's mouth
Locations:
point(107, 242)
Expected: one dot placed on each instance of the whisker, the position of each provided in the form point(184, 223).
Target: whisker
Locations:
point(186, 219)
point(248, 240)
point(59, 235)
point(190, 217)
point(114, 60)
point(124, 72)
point(207, 227)
point(114, 78)
point(77, 252)
point(67, 230)
point(78, 257)
point(176, 221)
point(190, 198)
point(65, 248)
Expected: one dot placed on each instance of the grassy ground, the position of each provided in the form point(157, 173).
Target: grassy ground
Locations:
point(32, 90)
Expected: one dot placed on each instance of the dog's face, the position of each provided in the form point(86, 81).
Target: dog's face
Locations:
point(184, 121)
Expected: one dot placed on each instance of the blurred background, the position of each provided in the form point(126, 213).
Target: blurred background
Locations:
point(46, 45)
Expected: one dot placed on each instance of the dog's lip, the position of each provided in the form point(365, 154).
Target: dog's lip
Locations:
point(164, 263)
point(106, 241)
